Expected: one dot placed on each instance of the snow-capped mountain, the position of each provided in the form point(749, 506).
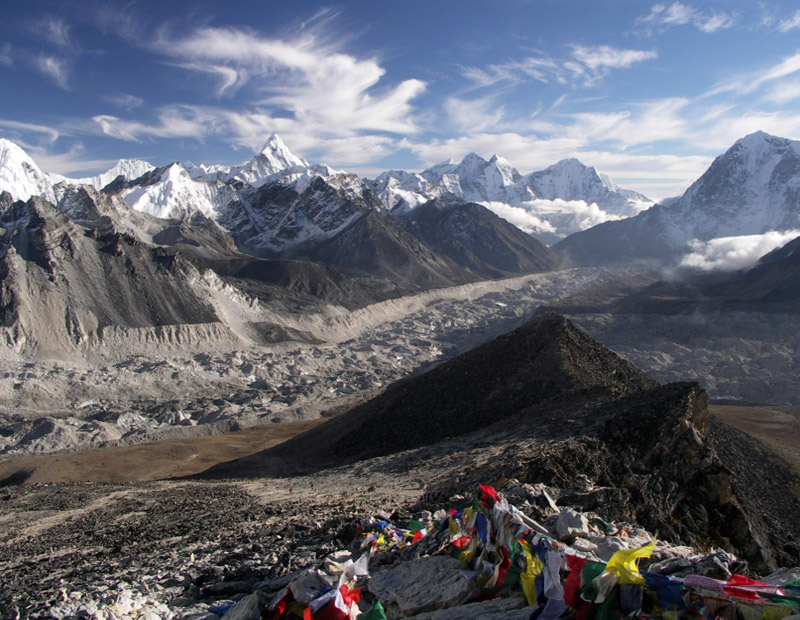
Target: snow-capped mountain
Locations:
point(272, 160)
point(751, 189)
point(128, 169)
point(473, 180)
point(571, 180)
point(287, 213)
point(170, 192)
point(20, 176)
point(549, 204)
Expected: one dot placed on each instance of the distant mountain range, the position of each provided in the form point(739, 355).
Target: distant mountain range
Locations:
point(550, 204)
point(753, 188)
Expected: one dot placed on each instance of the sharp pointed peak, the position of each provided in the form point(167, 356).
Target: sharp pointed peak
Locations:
point(273, 143)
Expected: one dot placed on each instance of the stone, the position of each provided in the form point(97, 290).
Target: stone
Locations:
point(249, 608)
point(512, 608)
point(782, 576)
point(423, 585)
point(571, 524)
point(607, 546)
point(226, 588)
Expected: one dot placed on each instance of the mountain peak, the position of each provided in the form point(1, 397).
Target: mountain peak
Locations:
point(19, 174)
point(472, 158)
point(761, 140)
point(276, 151)
point(12, 153)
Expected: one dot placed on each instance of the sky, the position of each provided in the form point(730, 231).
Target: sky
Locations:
point(647, 92)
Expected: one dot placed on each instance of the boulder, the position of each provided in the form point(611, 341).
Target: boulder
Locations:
point(249, 608)
point(422, 585)
point(571, 524)
point(512, 608)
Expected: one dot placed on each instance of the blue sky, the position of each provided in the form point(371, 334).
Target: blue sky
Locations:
point(648, 92)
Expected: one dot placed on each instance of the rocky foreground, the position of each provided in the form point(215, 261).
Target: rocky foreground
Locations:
point(250, 550)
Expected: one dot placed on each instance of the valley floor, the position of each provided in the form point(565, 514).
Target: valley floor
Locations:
point(136, 392)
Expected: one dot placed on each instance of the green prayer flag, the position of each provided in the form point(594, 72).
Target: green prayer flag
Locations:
point(591, 570)
point(376, 612)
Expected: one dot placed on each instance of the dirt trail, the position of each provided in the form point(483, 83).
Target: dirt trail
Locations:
point(171, 458)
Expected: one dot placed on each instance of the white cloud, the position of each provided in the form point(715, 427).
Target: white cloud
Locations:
point(54, 68)
point(780, 78)
point(70, 163)
point(173, 122)
point(321, 100)
point(521, 218)
point(538, 68)
point(679, 14)
point(733, 253)
point(791, 23)
point(322, 88)
point(643, 123)
point(21, 129)
point(472, 115)
point(600, 58)
point(56, 31)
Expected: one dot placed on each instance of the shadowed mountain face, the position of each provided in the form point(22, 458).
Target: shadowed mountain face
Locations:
point(578, 408)
point(376, 245)
point(477, 239)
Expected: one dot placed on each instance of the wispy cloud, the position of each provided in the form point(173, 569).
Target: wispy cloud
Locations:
point(586, 64)
point(175, 121)
point(746, 83)
point(56, 31)
point(471, 115)
point(321, 86)
point(55, 68)
point(303, 86)
point(538, 68)
point(21, 129)
point(72, 162)
point(791, 23)
point(664, 16)
point(600, 59)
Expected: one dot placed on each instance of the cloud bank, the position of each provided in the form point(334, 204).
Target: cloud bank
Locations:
point(734, 253)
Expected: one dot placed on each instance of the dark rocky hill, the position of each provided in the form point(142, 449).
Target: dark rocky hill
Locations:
point(545, 364)
point(477, 239)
